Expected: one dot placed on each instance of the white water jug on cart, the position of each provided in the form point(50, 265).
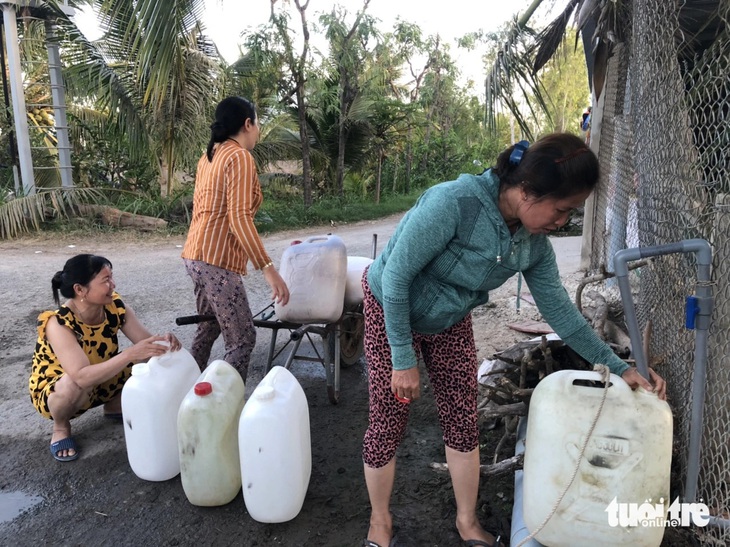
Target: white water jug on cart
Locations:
point(275, 448)
point(353, 287)
point(150, 402)
point(315, 271)
point(207, 434)
point(627, 460)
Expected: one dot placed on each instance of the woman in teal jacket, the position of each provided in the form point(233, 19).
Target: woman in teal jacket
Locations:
point(462, 239)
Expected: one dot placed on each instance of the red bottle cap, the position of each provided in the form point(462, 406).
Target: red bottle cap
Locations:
point(203, 388)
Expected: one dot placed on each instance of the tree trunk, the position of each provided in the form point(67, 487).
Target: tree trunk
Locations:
point(114, 217)
point(298, 72)
point(306, 152)
point(342, 135)
point(381, 154)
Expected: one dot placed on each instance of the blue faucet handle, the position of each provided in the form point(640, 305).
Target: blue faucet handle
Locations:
point(691, 309)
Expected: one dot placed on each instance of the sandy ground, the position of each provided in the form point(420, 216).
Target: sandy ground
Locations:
point(97, 500)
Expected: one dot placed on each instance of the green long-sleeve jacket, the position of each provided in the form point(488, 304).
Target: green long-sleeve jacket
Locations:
point(449, 251)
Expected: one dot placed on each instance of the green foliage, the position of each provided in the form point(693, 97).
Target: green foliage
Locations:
point(565, 81)
point(24, 214)
point(175, 209)
point(386, 114)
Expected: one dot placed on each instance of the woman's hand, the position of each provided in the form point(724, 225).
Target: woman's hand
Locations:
point(406, 384)
point(279, 290)
point(634, 379)
point(173, 341)
point(149, 347)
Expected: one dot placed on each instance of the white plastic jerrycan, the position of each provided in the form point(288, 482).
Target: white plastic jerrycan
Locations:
point(150, 401)
point(353, 287)
point(207, 434)
point(315, 271)
point(275, 448)
point(627, 460)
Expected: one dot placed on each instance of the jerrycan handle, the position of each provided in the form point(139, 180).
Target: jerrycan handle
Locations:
point(164, 360)
point(616, 383)
point(316, 238)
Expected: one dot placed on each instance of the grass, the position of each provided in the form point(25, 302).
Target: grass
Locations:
point(279, 212)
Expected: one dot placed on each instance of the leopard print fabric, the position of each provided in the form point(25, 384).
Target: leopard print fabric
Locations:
point(451, 362)
point(99, 342)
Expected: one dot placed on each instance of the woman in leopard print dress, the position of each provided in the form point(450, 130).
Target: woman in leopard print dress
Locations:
point(77, 364)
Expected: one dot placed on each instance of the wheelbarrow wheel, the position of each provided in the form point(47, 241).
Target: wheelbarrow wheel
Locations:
point(352, 334)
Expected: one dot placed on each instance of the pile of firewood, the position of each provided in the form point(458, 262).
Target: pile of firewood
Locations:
point(510, 377)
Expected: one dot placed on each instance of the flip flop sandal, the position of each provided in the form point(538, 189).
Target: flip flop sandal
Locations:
point(481, 543)
point(65, 444)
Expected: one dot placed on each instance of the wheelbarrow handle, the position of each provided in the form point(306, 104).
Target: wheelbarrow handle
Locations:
point(193, 319)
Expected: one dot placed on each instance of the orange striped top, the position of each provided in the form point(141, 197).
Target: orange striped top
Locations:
point(226, 198)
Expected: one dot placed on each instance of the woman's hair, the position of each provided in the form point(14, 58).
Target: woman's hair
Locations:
point(230, 115)
point(80, 269)
point(559, 165)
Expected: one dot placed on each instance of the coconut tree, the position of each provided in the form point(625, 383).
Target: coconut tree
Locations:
point(169, 73)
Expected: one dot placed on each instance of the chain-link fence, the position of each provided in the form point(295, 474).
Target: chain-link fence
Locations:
point(663, 124)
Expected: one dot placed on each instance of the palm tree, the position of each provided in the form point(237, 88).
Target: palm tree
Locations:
point(166, 70)
point(524, 54)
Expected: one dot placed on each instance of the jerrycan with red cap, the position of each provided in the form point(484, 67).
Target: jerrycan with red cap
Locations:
point(207, 432)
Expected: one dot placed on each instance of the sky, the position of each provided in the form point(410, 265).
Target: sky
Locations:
point(226, 19)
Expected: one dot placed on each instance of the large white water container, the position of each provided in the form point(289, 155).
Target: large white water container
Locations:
point(627, 459)
point(353, 286)
point(315, 271)
point(207, 434)
point(275, 448)
point(150, 401)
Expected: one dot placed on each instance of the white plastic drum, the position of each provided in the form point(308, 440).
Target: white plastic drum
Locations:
point(627, 459)
point(353, 287)
point(150, 402)
point(275, 448)
point(315, 271)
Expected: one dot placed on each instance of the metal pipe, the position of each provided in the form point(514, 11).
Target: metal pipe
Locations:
point(704, 305)
point(59, 106)
point(620, 265)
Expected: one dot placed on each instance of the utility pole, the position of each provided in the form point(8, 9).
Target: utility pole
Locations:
point(10, 23)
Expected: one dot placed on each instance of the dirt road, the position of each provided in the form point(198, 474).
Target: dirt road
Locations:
point(97, 500)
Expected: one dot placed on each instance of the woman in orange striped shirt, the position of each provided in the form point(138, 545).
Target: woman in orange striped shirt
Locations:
point(223, 237)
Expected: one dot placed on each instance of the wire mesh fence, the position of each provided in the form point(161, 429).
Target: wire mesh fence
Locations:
point(664, 150)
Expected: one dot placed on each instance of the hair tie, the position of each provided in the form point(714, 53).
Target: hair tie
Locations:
point(57, 279)
point(516, 156)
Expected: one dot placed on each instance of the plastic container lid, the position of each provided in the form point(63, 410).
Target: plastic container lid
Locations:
point(203, 388)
